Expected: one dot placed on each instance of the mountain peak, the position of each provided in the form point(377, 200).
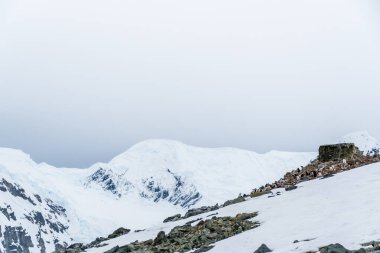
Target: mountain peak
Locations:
point(15, 158)
point(363, 140)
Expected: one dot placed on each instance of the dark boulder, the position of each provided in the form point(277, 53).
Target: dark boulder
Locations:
point(113, 250)
point(200, 210)
point(159, 238)
point(338, 248)
point(263, 249)
point(234, 201)
point(290, 188)
point(119, 232)
point(173, 218)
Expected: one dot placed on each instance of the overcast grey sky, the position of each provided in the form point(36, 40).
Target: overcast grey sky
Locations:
point(82, 81)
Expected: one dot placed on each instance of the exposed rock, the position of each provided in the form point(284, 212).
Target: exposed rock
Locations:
point(290, 188)
point(39, 218)
point(113, 250)
point(159, 238)
point(263, 249)
point(316, 169)
point(192, 221)
point(204, 249)
point(57, 226)
point(198, 237)
point(192, 212)
point(338, 152)
point(258, 194)
point(327, 176)
point(197, 211)
point(173, 218)
point(234, 201)
point(15, 190)
point(76, 246)
point(16, 240)
point(97, 242)
point(183, 193)
point(212, 214)
point(8, 213)
point(119, 232)
point(41, 242)
point(305, 240)
point(373, 246)
point(338, 248)
point(38, 197)
point(55, 209)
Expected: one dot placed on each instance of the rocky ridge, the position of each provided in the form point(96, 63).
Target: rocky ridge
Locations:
point(198, 237)
point(47, 220)
point(331, 160)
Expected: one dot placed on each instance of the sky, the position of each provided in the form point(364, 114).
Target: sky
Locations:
point(82, 81)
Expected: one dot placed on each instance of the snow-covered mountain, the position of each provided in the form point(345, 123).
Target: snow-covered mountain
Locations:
point(185, 175)
point(42, 206)
point(364, 141)
point(340, 209)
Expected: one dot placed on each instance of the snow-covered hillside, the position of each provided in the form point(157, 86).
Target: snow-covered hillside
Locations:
point(89, 213)
point(340, 209)
point(186, 175)
point(363, 140)
point(137, 189)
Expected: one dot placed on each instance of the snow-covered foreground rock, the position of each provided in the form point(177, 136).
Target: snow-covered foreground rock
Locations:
point(341, 209)
point(137, 189)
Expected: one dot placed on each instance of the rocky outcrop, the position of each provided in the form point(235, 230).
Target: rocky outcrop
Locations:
point(317, 170)
point(119, 232)
point(192, 212)
point(369, 247)
point(198, 237)
point(98, 242)
point(339, 152)
point(263, 249)
point(173, 218)
point(234, 201)
point(338, 248)
point(16, 190)
point(8, 212)
point(373, 246)
point(178, 192)
point(16, 240)
point(33, 228)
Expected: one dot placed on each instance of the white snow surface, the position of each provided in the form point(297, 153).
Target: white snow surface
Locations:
point(341, 209)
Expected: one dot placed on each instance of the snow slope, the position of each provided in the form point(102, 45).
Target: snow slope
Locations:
point(341, 209)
